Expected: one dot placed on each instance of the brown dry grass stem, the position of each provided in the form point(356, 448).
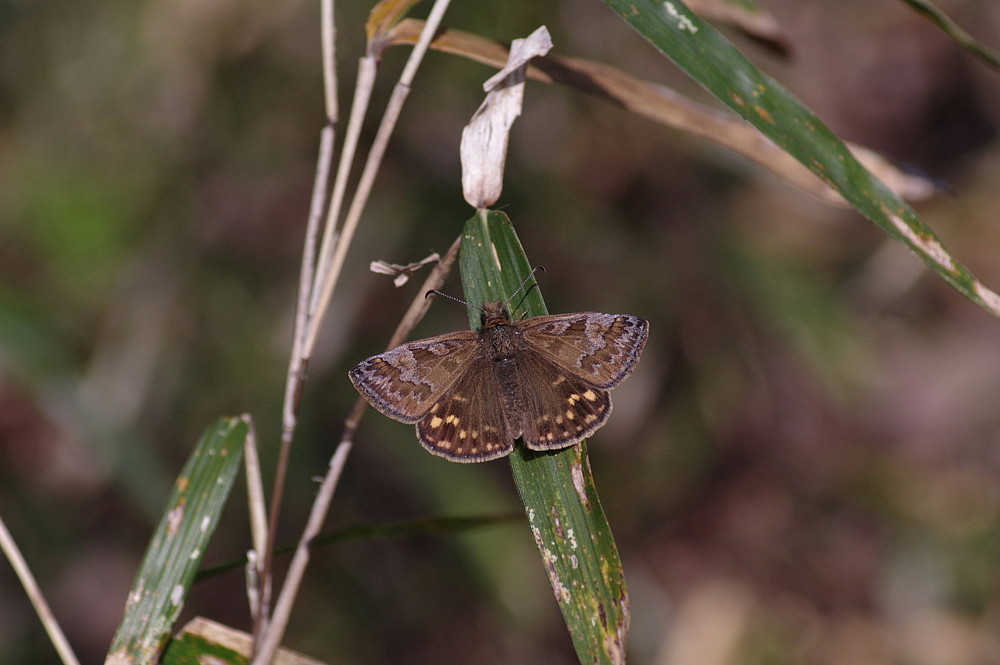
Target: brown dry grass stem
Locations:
point(34, 593)
point(320, 272)
point(324, 496)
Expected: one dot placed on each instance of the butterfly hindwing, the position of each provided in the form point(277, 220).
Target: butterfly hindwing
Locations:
point(467, 423)
point(560, 409)
point(405, 381)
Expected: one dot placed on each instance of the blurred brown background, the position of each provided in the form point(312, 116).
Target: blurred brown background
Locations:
point(803, 469)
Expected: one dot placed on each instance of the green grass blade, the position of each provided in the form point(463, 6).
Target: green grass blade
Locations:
point(178, 544)
point(955, 31)
point(557, 488)
point(716, 64)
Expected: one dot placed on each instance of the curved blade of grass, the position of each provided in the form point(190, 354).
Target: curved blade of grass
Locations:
point(667, 107)
point(556, 488)
point(717, 65)
point(178, 544)
point(955, 31)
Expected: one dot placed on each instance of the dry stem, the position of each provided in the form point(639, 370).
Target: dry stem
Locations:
point(296, 570)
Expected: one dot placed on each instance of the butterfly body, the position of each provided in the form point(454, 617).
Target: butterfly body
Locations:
point(471, 394)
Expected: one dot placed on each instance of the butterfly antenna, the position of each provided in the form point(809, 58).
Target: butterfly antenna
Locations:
point(442, 293)
point(516, 291)
point(530, 275)
point(510, 300)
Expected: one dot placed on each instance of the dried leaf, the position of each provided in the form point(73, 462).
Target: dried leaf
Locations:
point(667, 107)
point(484, 139)
point(402, 273)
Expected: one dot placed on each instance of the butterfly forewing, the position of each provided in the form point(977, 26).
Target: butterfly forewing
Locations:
point(405, 381)
point(599, 348)
point(467, 423)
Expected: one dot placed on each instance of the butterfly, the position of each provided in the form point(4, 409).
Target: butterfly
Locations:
point(544, 379)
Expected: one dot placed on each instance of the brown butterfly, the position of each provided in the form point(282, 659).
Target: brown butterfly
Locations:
point(544, 379)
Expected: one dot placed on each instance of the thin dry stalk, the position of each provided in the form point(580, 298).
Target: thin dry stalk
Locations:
point(367, 68)
point(258, 515)
point(296, 570)
point(34, 593)
point(328, 279)
point(298, 361)
point(328, 39)
point(311, 308)
point(295, 377)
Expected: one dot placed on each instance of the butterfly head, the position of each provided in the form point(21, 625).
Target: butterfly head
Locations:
point(494, 314)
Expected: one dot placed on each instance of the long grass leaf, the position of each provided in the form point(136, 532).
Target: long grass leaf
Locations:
point(177, 546)
point(711, 60)
point(557, 489)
